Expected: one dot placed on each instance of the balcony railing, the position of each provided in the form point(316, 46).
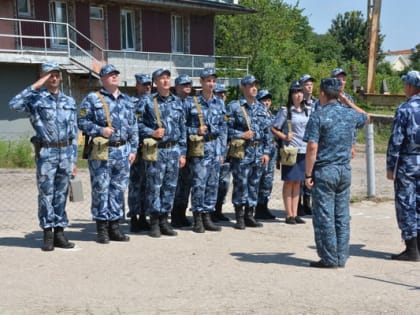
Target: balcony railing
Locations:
point(34, 41)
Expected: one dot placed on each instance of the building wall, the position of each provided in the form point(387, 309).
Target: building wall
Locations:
point(7, 27)
point(202, 35)
point(156, 31)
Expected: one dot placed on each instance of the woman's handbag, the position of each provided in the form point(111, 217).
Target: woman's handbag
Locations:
point(195, 144)
point(288, 155)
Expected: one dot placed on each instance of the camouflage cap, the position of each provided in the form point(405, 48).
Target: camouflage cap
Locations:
point(249, 79)
point(412, 78)
point(333, 84)
point(49, 66)
point(107, 69)
point(207, 72)
point(305, 78)
point(142, 78)
point(183, 79)
point(219, 88)
point(262, 94)
point(159, 72)
point(295, 85)
point(337, 71)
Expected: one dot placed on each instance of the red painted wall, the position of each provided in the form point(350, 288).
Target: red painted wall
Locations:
point(41, 13)
point(114, 33)
point(202, 35)
point(83, 23)
point(156, 31)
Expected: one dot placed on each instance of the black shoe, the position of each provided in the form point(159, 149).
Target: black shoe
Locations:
point(319, 264)
point(60, 240)
point(218, 216)
point(154, 226)
point(143, 224)
point(134, 224)
point(165, 227)
point(290, 220)
point(198, 226)
point(102, 236)
point(115, 234)
point(249, 218)
point(48, 240)
point(208, 223)
point(299, 220)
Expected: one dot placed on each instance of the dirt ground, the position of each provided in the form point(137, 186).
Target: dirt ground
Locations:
point(255, 271)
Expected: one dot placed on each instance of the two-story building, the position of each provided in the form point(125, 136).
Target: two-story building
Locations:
point(81, 35)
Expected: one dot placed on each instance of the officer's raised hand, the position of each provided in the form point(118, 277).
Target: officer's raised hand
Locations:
point(41, 81)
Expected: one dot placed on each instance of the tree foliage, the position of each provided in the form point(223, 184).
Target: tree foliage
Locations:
point(415, 58)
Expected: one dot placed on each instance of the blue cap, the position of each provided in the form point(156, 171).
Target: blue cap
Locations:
point(263, 94)
point(249, 79)
point(183, 79)
point(107, 69)
point(412, 78)
point(207, 72)
point(49, 66)
point(159, 72)
point(295, 86)
point(337, 71)
point(305, 78)
point(333, 84)
point(142, 78)
point(219, 88)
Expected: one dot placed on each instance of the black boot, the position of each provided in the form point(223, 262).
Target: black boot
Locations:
point(102, 232)
point(262, 212)
point(60, 240)
point(115, 234)
point(178, 217)
point(198, 226)
point(300, 209)
point(134, 224)
point(411, 252)
point(240, 221)
point(307, 204)
point(48, 240)
point(154, 225)
point(143, 224)
point(165, 227)
point(249, 218)
point(217, 215)
point(208, 223)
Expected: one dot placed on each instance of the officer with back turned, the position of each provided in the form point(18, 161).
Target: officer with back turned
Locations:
point(53, 117)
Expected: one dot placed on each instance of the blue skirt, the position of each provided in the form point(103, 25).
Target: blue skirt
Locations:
point(294, 172)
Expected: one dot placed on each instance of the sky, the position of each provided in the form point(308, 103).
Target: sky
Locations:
point(399, 20)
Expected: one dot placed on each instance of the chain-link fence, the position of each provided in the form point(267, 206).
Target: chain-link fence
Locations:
point(18, 194)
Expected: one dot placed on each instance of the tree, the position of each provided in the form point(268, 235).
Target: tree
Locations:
point(415, 58)
point(351, 31)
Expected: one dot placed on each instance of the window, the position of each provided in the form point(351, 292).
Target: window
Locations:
point(96, 13)
point(178, 29)
point(58, 30)
point(127, 30)
point(24, 7)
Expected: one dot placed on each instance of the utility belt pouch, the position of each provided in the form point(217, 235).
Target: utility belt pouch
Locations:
point(37, 146)
point(288, 155)
point(195, 146)
point(100, 149)
point(149, 150)
point(75, 189)
point(237, 149)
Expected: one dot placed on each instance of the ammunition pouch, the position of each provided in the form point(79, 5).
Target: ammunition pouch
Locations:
point(237, 149)
point(149, 150)
point(195, 146)
point(100, 149)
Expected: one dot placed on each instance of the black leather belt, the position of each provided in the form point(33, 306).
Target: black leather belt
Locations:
point(210, 138)
point(59, 144)
point(116, 143)
point(166, 145)
point(254, 143)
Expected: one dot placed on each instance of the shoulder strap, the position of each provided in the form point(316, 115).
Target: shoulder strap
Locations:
point(106, 108)
point(245, 115)
point(155, 103)
point(200, 113)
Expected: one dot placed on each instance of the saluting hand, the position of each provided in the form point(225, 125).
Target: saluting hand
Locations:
point(41, 81)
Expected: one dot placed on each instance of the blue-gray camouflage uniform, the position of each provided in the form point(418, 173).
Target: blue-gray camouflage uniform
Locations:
point(205, 170)
point(137, 178)
point(247, 172)
point(162, 175)
point(109, 178)
point(267, 176)
point(330, 129)
point(403, 158)
point(53, 118)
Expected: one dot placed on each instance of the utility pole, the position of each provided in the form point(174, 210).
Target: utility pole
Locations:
point(374, 12)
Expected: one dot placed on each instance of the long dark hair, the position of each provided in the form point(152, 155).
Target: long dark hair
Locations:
point(294, 88)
